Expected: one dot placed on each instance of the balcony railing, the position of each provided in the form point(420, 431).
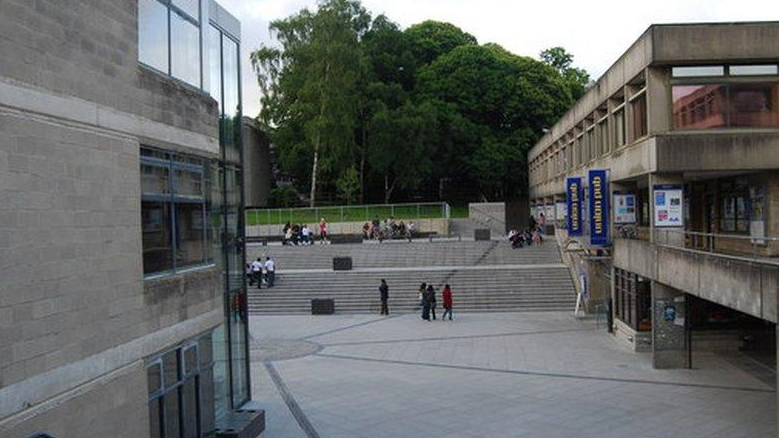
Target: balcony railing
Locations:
point(756, 248)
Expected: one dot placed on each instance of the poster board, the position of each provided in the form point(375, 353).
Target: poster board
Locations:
point(668, 202)
point(624, 208)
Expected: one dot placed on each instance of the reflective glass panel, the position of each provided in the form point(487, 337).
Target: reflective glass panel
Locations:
point(154, 419)
point(155, 179)
point(153, 34)
point(238, 347)
point(190, 237)
point(754, 105)
point(157, 238)
point(189, 401)
point(231, 122)
point(638, 108)
point(189, 183)
point(221, 373)
point(170, 365)
point(753, 70)
point(185, 50)
point(190, 7)
point(190, 360)
point(699, 106)
point(697, 71)
point(215, 64)
point(172, 409)
point(207, 414)
point(154, 378)
point(619, 128)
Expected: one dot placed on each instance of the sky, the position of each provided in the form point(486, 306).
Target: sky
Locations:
point(596, 32)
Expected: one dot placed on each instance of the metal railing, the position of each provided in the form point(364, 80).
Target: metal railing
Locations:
point(729, 244)
point(348, 213)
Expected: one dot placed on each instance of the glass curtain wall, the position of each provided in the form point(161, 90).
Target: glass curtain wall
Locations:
point(231, 339)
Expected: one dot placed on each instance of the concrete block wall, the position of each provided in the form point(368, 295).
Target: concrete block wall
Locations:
point(89, 49)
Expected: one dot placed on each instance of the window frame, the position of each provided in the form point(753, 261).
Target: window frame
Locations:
point(172, 199)
point(198, 23)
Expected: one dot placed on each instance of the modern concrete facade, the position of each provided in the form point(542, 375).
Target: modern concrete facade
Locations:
point(686, 122)
point(105, 330)
point(256, 162)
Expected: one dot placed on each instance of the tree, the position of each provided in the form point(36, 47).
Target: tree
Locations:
point(311, 83)
point(431, 39)
point(348, 185)
point(562, 61)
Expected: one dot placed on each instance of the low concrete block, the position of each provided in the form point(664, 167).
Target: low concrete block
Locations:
point(342, 263)
point(322, 306)
point(481, 234)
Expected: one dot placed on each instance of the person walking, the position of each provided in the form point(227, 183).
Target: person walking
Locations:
point(256, 268)
point(424, 293)
point(446, 295)
point(422, 288)
point(384, 293)
point(431, 301)
point(270, 269)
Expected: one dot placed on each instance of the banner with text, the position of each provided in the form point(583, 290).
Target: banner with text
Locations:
point(598, 182)
point(573, 194)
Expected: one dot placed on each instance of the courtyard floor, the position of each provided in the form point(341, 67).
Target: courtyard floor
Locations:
point(540, 375)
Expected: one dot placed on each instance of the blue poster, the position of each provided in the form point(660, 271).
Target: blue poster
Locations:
point(598, 181)
point(573, 194)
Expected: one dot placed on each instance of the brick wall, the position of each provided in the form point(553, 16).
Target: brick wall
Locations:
point(89, 49)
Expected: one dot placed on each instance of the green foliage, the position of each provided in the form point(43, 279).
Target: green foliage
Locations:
point(363, 109)
point(348, 185)
point(284, 196)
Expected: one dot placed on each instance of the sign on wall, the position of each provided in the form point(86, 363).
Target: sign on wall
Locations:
point(562, 211)
point(550, 210)
point(624, 208)
point(573, 194)
point(598, 184)
point(669, 205)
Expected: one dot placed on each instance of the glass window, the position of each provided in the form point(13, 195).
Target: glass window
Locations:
point(154, 378)
point(189, 401)
point(154, 418)
point(752, 70)
point(632, 300)
point(189, 7)
point(734, 207)
point(157, 238)
point(190, 234)
point(153, 34)
point(699, 106)
point(170, 364)
point(698, 71)
point(619, 128)
point(172, 411)
point(189, 183)
point(207, 411)
point(154, 179)
point(215, 61)
point(185, 50)
point(638, 108)
point(754, 105)
point(231, 123)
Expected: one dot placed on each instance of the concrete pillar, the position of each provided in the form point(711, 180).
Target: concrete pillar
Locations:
point(669, 336)
point(658, 234)
point(658, 100)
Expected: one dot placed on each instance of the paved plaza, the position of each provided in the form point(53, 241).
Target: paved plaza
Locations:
point(540, 375)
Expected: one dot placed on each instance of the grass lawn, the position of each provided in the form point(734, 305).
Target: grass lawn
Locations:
point(311, 216)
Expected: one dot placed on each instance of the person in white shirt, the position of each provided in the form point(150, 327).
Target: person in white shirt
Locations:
point(256, 268)
point(305, 235)
point(270, 267)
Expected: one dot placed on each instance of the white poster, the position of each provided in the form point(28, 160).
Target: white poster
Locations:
point(562, 210)
point(669, 206)
point(624, 208)
point(550, 210)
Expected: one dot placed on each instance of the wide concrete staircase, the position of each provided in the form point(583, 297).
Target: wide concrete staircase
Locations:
point(485, 277)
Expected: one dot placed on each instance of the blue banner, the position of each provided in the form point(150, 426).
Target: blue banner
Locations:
point(573, 195)
point(598, 181)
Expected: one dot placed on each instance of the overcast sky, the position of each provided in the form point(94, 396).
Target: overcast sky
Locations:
point(596, 31)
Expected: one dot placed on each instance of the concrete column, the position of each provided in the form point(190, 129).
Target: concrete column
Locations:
point(657, 234)
point(669, 337)
point(658, 100)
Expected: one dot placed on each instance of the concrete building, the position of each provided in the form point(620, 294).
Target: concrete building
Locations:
point(122, 299)
point(686, 126)
point(256, 163)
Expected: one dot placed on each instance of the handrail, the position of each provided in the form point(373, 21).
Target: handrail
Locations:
point(707, 241)
point(40, 435)
point(347, 213)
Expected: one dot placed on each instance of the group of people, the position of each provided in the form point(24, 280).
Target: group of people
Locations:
point(532, 235)
point(261, 272)
point(427, 300)
point(297, 234)
point(390, 228)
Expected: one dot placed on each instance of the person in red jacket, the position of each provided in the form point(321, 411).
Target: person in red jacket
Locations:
point(446, 294)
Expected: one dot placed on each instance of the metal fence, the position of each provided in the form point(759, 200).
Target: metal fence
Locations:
point(714, 242)
point(348, 213)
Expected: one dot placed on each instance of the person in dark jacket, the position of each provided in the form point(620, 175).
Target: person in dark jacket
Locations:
point(430, 299)
point(384, 291)
point(446, 295)
point(422, 289)
point(425, 302)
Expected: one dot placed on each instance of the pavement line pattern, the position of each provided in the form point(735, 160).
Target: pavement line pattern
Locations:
point(292, 404)
point(429, 268)
point(340, 329)
point(449, 338)
point(543, 374)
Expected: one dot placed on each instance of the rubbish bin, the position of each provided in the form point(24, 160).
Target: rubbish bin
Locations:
point(322, 306)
